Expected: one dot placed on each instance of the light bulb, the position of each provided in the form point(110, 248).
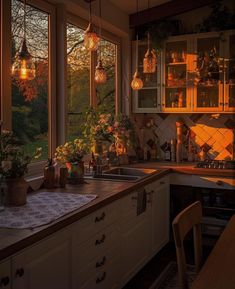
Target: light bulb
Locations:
point(23, 67)
point(150, 62)
point(136, 83)
point(100, 73)
point(91, 40)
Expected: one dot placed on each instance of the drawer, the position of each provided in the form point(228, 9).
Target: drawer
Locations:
point(213, 182)
point(96, 246)
point(180, 179)
point(96, 267)
point(95, 222)
point(104, 279)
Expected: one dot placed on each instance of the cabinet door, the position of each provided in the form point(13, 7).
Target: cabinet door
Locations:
point(229, 66)
point(176, 94)
point(208, 80)
point(46, 265)
point(5, 273)
point(159, 198)
point(135, 237)
point(146, 99)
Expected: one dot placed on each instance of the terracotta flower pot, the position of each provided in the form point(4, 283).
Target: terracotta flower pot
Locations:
point(16, 192)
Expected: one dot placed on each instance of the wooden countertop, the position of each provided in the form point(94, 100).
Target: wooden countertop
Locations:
point(218, 271)
point(186, 168)
point(14, 240)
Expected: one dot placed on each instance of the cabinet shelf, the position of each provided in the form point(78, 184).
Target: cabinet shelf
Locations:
point(176, 63)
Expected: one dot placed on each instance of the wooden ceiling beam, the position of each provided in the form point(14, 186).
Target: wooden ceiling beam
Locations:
point(165, 10)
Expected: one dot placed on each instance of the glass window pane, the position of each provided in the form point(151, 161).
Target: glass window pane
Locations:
point(30, 97)
point(78, 69)
point(105, 93)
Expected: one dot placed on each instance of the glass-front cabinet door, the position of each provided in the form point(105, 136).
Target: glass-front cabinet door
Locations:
point(208, 76)
point(229, 68)
point(175, 95)
point(146, 99)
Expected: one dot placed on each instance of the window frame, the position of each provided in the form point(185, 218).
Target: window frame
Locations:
point(35, 169)
point(106, 35)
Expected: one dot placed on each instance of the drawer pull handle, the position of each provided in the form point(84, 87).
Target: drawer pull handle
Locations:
point(101, 263)
point(20, 272)
point(220, 183)
point(98, 219)
point(98, 242)
point(4, 281)
point(98, 280)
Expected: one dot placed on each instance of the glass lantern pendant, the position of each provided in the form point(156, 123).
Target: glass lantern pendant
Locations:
point(23, 67)
point(137, 82)
point(91, 39)
point(150, 62)
point(100, 73)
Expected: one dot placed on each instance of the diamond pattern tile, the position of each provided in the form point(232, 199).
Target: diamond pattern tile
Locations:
point(214, 134)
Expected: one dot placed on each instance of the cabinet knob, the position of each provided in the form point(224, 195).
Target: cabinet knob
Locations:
point(101, 263)
point(98, 219)
point(100, 241)
point(98, 280)
point(20, 272)
point(4, 281)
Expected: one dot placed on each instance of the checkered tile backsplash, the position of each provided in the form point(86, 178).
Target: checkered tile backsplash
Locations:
point(214, 133)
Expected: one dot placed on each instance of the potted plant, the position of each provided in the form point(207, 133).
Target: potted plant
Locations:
point(13, 166)
point(70, 155)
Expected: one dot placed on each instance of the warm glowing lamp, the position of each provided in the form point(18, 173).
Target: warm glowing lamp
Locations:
point(91, 39)
point(23, 67)
point(100, 73)
point(137, 82)
point(150, 60)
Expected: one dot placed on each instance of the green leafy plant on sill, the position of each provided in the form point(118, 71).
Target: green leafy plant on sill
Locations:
point(13, 160)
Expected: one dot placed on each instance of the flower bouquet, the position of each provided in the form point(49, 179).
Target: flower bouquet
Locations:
point(70, 154)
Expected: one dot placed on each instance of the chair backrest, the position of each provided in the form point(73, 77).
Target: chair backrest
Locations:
point(187, 219)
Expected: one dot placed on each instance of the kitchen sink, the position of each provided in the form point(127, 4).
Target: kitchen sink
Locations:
point(123, 174)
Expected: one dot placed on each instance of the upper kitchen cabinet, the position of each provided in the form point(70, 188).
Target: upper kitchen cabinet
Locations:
point(174, 91)
point(146, 99)
point(229, 65)
point(195, 73)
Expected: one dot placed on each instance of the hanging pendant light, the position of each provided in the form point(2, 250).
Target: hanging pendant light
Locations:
point(100, 73)
point(91, 39)
point(136, 82)
point(23, 67)
point(150, 58)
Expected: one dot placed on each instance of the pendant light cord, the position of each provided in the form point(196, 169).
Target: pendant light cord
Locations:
point(90, 12)
point(24, 19)
point(100, 29)
point(137, 38)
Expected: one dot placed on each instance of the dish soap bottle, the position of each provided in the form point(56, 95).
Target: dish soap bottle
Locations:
point(49, 175)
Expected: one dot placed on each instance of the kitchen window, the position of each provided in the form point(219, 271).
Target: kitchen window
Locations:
point(27, 105)
point(82, 91)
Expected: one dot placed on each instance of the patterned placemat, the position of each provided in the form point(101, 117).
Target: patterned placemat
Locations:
point(42, 208)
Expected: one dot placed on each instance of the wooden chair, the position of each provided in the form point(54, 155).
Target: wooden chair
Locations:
point(187, 219)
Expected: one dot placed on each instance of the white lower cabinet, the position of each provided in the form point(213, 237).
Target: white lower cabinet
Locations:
point(5, 274)
point(159, 192)
point(45, 265)
point(96, 250)
point(103, 250)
